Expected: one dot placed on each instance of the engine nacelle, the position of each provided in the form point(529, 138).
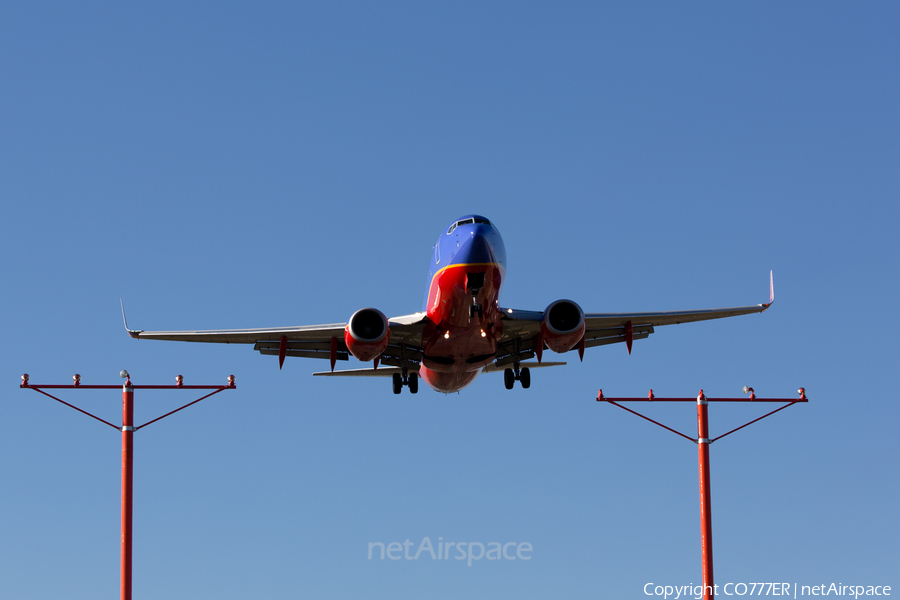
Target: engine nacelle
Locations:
point(367, 333)
point(563, 325)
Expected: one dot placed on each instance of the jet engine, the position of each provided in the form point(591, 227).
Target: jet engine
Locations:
point(367, 334)
point(563, 325)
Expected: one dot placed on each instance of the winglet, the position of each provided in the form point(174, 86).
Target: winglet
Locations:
point(132, 332)
point(771, 288)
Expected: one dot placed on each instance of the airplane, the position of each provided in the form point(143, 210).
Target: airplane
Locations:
point(462, 330)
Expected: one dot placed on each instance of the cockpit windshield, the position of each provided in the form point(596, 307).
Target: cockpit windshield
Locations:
point(468, 221)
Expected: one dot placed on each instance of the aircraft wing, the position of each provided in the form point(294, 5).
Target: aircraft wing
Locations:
point(307, 341)
point(521, 328)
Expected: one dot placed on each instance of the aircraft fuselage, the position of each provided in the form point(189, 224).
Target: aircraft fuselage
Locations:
point(464, 280)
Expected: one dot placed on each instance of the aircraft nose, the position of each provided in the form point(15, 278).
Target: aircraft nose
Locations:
point(477, 249)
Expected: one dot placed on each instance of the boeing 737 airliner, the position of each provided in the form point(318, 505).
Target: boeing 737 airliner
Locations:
point(462, 330)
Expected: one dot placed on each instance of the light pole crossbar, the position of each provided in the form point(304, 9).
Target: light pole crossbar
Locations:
point(614, 401)
point(40, 389)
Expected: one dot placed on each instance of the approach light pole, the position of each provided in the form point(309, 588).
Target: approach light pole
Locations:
point(703, 441)
point(128, 430)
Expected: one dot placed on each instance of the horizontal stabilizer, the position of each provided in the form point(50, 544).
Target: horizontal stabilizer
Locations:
point(382, 372)
point(493, 368)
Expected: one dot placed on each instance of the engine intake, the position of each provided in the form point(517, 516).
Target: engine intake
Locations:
point(563, 325)
point(367, 334)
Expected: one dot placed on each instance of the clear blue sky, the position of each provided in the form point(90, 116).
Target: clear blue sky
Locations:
point(236, 165)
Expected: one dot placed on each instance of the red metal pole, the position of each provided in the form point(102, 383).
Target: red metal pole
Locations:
point(703, 442)
point(127, 485)
point(128, 430)
point(705, 499)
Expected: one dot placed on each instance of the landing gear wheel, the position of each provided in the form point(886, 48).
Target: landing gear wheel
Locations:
point(398, 383)
point(509, 379)
point(525, 378)
point(413, 383)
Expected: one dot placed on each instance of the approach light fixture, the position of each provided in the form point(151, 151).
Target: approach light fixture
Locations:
point(446, 335)
point(76, 378)
point(179, 380)
point(124, 374)
point(749, 390)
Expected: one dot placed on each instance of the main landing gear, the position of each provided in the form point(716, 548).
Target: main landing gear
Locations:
point(522, 375)
point(411, 381)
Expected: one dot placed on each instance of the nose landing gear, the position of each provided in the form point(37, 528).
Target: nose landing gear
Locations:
point(476, 309)
point(474, 284)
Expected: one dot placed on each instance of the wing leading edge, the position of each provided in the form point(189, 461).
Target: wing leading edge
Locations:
point(521, 328)
point(307, 341)
point(599, 321)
